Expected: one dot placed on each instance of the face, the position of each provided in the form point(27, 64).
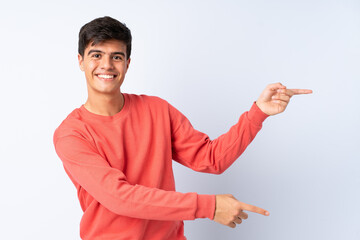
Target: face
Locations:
point(105, 66)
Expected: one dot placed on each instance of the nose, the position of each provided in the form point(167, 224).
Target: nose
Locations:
point(107, 63)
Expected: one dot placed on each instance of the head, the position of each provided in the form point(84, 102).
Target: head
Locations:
point(104, 54)
point(102, 29)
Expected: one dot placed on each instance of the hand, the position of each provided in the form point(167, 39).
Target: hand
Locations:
point(275, 98)
point(229, 211)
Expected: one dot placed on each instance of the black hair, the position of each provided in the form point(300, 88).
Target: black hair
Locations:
point(102, 29)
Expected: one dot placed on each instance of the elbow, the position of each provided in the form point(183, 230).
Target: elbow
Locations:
point(219, 171)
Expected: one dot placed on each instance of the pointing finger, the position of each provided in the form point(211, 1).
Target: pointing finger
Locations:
point(254, 209)
point(301, 91)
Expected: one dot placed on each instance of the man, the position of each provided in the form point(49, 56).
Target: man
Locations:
point(118, 148)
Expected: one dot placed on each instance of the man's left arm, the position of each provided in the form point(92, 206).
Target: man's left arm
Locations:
point(197, 151)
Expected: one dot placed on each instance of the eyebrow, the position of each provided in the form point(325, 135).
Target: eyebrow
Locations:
point(98, 51)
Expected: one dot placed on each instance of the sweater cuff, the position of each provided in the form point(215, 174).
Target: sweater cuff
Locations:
point(205, 206)
point(257, 116)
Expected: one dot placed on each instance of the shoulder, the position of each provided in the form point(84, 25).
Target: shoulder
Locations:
point(72, 125)
point(154, 103)
point(143, 99)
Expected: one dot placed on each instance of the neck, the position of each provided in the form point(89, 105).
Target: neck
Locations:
point(106, 105)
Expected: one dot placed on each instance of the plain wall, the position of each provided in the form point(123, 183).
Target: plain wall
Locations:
point(211, 60)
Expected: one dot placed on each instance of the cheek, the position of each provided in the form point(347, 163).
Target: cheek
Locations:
point(90, 67)
point(122, 68)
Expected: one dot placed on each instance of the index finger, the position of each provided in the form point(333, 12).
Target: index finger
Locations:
point(254, 209)
point(300, 91)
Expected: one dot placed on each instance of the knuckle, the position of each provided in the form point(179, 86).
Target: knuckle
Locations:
point(239, 212)
point(234, 214)
point(238, 205)
point(228, 195)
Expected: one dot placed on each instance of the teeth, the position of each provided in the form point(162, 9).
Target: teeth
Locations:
point(106, 76)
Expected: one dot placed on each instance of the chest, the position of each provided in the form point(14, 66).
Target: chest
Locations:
point(135, 144)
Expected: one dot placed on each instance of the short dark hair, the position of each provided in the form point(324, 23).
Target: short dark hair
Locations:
point(102, 29)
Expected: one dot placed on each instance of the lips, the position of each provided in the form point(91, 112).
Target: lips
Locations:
point(106, 77)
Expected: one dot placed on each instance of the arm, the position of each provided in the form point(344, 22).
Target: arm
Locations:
point(195, 149)
point(273, 100)
point(229, 211)
point(109, 187)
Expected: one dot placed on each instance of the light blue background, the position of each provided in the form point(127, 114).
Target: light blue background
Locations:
point(211, 60)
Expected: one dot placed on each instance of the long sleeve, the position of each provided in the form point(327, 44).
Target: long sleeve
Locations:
point(121, 166)
point(198, 152)
point(109, 186)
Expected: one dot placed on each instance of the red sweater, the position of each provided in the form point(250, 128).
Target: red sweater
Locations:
point(121, 166)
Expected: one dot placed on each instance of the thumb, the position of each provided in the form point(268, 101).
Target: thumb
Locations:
point(270, 90)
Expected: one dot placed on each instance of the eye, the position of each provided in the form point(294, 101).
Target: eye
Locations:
point(117, 58)
point(96, 55)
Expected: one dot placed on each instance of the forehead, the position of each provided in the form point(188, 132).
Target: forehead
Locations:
point(111, 45)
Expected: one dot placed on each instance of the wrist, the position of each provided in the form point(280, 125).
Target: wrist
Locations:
point(256, 115)
point(206, 206)
point(262, 107)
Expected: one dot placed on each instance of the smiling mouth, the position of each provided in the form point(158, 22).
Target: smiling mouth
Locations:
point(106, 77)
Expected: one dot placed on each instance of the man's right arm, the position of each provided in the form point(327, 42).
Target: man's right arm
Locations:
point(109, 186)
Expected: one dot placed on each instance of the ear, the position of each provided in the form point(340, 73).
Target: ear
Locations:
point(128, 64)
point(81, 62)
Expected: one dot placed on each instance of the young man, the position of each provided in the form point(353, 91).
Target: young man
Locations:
point(118, 148)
